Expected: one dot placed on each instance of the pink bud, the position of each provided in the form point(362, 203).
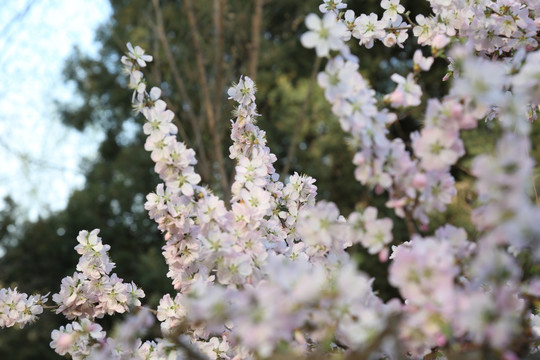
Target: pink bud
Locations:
point(397, 97)
point(468, 122)
point(358, 159)
point(390, 40)
point(383, 255)
point(440, 339)
point(419, 181)
point(64, 342)
point(508, 355)
point(456, 110)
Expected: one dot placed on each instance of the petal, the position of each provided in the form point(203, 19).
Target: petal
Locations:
point(313, 22)
point(398, 79)
point(155, 93)
point(310, 39)
point(322, 49)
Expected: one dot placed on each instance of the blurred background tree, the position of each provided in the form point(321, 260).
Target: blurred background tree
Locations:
point(199, 48)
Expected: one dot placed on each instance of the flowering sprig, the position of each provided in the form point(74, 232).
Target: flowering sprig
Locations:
point(19, 308)
point(444, 299)
point(93, 292)
point(228, 264)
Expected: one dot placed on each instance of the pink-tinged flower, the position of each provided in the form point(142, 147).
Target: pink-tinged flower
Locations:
point(490, 317)
point(437, 149)
point(374, 234)
point(407, 93)
point(171, 312)
point(251, 172)
point(88, 242)
point(439, 41)
point(186, 181)
point(396, 37)
point(234, 269)
point(325, 34)
point(424, 271)
point(318, 228)
point(62, 341)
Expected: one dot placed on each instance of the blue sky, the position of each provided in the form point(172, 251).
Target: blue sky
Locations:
point(39, 157)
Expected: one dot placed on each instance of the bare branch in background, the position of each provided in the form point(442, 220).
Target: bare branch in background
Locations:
point(26, 159)
point(207, 103)
point(219, 15)
point(204, 165)
point(156, 77)
point(5, 34)
point(254, 46)
point(300, 126)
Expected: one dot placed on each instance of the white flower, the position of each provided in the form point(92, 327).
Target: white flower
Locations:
point(436, 148)
point(421, 61)
point(393, 8)
point(138, 55)
point(368, 28)
point(331, 5)
point(243, 92)
point(325, 34)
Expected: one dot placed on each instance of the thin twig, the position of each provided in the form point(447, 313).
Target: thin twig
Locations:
point(408, 18)
point(409, 221)
point(398, 28)
point(147, 308)
point(301, 120)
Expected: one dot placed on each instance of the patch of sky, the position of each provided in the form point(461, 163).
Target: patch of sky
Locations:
point(41, 158)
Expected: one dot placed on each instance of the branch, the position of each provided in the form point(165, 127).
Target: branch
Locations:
point(156, 77)
point(300, 126)
point(398, 28)
point(218, 153)
point(409, 221)
point(254, 46)
point(205, 167)
point(219, 8)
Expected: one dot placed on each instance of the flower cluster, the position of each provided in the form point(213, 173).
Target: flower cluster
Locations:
point(18, 308)
point(230, 267)
point(77, 339)
point(92, 292)
point(490, 26)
